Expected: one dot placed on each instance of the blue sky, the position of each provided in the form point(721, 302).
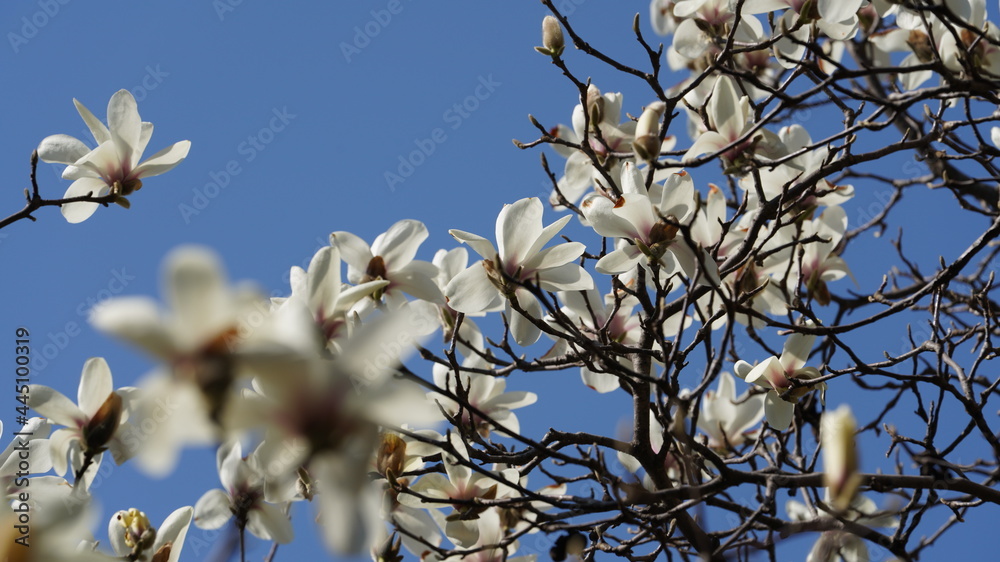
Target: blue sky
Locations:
point(296, 111)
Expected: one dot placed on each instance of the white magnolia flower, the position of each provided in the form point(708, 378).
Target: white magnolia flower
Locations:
point(243, 497)
point(521, 259)
point(838, 19)
point(450, 263)
point(580, 172)
point(813, 264)
point(730, 118)
point(459, 487)
point(113, 167)
point(131, 535)
point(727, 419)
point(390, 258)
point(776, 374)
point(648, 223)
point(592, 314)
point(327, 298)
point(93, 426)
point(204, 342)
point(705, 21)
point(839, 546)
point(397, 459)
point(486, 393)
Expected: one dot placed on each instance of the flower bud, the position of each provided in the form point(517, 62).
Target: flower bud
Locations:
point(553, 42)
point(595, 105)
point(646, 145)
point(840, 456)
point(102, 427)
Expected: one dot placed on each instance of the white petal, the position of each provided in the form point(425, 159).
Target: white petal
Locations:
point(55, 406)
point(137, 320)
point(163, 161)
point(519, 225)
point(601, 382)
point(212, 510)
point(97, 128)
point(354, 251)
point(268, 522)
point(61, 149)
point(619, 261)
point(779, 413)
point(80, 211)
point(471, 291)
point(95, 385)
point(173, 530)
point(482, 246)
point(399, 244)
point(124, 124)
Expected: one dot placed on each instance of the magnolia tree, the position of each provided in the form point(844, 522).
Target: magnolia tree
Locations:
point(711, 285)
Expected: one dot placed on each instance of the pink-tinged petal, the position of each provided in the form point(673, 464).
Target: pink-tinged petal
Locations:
point(163, 161)
point(61, 149)
point(637, 210)
point(268, 522)
point(95, 386)
point(523, 329)
point(102, 162)
point(60, 444)
point(471, 291)
point(600, 382)
point(97, 128)
point(212, 510)
point(778, 412)
point(518, 226)
point(768, 374)
point(569, 277)
point(399, 244)
point(599, 212)
point(55, 406)
point(482, 246)
point(354, 251)
point(174, 530)
point(795, 353)
point(137, 320)
point(125, 125)
point(619, 261)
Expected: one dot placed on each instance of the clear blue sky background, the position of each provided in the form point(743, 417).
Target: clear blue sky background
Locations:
point(218, 77)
